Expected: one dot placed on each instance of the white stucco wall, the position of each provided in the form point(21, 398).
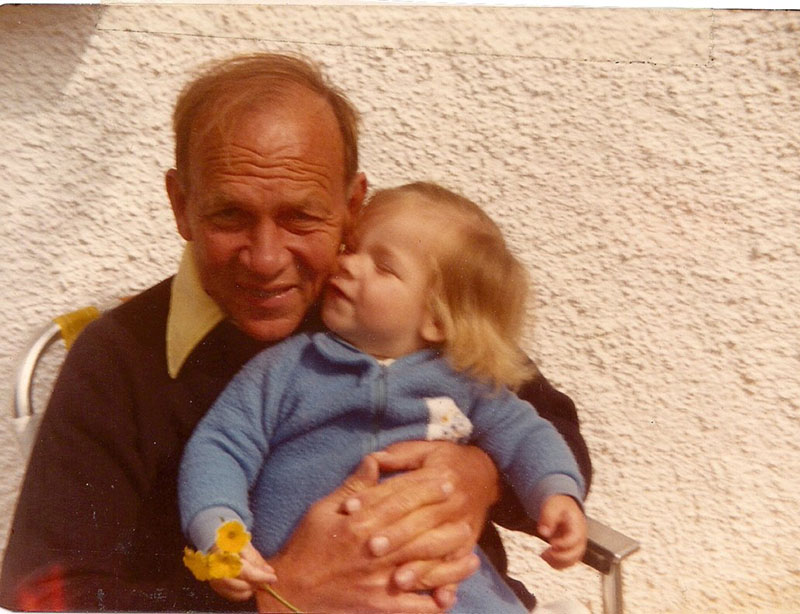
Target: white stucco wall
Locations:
point(643, 163)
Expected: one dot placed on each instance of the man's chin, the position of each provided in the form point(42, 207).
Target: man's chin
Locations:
point(269, 331)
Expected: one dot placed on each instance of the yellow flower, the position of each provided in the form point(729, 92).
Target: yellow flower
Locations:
point(232, 537)
point(197, 562)
point(224, 565)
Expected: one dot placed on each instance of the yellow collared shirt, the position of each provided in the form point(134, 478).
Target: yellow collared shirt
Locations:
point(192, 313)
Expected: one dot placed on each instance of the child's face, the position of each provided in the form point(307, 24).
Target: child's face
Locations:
point(378, 299)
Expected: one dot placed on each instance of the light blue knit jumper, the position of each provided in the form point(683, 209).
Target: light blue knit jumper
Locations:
point(300, 416)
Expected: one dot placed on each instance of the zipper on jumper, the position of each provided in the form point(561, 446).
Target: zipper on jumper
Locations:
point(381, 399)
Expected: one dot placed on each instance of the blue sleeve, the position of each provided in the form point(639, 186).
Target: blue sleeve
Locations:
point(529, 452)
point(226, 451)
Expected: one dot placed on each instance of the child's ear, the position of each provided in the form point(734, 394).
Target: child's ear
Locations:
point(431, 329)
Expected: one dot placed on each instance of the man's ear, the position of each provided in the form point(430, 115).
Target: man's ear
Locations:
point(177, 198)
point(356, 193)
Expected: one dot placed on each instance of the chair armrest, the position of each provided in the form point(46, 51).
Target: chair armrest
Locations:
point(606, 547)
point(22, 404)
point(65, 327)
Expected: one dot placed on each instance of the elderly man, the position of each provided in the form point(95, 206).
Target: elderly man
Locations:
point(265, 184)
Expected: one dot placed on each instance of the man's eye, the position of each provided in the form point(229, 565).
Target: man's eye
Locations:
point(228, 218)
point(300, 221)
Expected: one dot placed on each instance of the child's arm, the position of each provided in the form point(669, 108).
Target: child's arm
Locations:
point(221, 462)
point(563, 524)
point(230, 444)
point(539, 466)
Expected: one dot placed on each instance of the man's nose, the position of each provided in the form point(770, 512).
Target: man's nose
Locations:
point(266, 253)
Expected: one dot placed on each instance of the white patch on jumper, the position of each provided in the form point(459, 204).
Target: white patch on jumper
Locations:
point(446, 421)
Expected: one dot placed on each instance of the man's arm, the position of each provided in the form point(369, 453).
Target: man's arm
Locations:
point(76, 513)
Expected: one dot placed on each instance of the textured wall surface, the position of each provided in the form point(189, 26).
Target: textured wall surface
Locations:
point(644, 164)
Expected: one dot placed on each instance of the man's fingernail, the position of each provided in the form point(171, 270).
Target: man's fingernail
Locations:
point(475, 562)
point(379, 545)
point(447, 597)
point(404, 578)
point(448, 488)
point(352, 505)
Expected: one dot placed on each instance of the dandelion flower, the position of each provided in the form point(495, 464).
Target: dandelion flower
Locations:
point(224, 565)
point(232, 537)
point(197, 562)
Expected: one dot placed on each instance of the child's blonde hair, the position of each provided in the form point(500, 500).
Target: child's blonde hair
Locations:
point(478, 287)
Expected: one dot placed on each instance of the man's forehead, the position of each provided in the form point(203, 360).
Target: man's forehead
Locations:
point(267, 143)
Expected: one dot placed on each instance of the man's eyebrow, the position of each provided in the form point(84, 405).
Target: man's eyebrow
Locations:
point(308, 204)
point(220, 198)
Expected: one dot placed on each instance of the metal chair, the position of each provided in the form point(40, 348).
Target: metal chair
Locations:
point(605, 552)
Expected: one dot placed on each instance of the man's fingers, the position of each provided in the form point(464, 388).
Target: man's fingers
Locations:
point(429, 521)
point(401, 510)
point(365, 476)
point(446, 596)
point(403, 456)
point(402, 493)
point(406, 543)
point(430, 575)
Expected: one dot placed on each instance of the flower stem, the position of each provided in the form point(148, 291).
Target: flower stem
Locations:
point(272, 592)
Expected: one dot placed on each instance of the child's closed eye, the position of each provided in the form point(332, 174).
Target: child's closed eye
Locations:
point(386, 268)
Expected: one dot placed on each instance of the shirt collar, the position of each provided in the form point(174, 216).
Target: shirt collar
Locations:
point(192, 313)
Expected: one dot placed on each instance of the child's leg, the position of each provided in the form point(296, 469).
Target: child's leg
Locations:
point(485, 592)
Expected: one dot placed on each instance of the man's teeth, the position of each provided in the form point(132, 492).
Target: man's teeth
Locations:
point(268, 293)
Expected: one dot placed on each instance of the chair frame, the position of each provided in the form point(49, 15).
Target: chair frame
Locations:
point(605, 551)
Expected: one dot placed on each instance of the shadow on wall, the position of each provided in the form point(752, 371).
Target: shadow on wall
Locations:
point(45, 41)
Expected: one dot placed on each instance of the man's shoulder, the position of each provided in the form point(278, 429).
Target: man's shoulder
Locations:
point(140, 319)
point(152, 302)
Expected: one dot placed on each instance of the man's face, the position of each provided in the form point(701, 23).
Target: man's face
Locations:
point(265, 210)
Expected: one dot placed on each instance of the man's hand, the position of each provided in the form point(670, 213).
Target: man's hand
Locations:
point(328, 564)
point(255, 572)
point(419, 539)
point(563, 525)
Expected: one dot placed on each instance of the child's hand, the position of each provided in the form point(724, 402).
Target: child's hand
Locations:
point(563, 525)
point(255, 572)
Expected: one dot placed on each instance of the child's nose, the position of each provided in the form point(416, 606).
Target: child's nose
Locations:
point(347, 265)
